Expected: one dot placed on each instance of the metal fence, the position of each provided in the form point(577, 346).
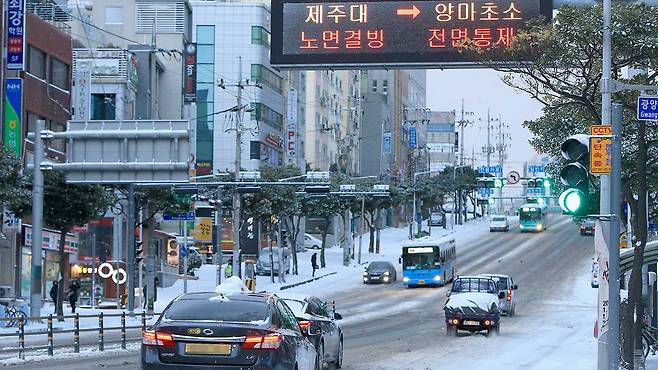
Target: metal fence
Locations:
point(21, 334)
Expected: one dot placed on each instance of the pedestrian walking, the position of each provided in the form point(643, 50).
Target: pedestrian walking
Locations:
point(73, 294)
point(144, 296)
point(314, 262)
point(53, 294)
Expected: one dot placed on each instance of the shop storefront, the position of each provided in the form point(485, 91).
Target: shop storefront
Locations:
point(49, 258)
point(107, 278)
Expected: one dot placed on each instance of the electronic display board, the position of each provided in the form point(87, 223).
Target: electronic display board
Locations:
point(394, 33)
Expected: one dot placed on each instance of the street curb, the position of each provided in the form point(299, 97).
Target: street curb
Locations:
point(307, 281)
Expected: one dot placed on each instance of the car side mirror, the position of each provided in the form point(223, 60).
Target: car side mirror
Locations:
point(448, 294)
point(338, 316)
point(515, 287)
point(400, 260)
point(501, 295)
point(314, 329)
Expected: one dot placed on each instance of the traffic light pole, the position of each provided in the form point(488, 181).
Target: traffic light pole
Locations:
point(130, 260)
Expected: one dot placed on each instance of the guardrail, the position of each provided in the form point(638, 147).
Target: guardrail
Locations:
point(76, 330)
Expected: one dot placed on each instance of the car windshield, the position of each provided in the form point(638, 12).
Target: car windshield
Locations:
point(502, 284)
point(217, 310)
point(473, 285)
point(378, 266)
point(297, 307)
point(500, 219)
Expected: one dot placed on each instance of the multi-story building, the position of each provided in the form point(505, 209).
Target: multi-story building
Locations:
point(235, 51)
point(394, 123)
point(46, 95)
point(333, 115)
point(155, 32)
point(441, 140)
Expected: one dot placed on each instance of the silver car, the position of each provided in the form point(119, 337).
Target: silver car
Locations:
point(506, 288)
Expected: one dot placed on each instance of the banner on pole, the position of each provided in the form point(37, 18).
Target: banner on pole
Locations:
point(13, 112)
point(602, 258)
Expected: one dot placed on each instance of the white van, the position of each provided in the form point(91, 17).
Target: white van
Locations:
point(264, 265)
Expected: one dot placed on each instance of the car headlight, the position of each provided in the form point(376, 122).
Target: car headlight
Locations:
point(540, 226)
point(365, 274)
point(405, 279)
point(387, 273)
point(437, 278)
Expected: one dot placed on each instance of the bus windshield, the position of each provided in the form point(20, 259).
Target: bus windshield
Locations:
point(420, 258)
point(533, 214)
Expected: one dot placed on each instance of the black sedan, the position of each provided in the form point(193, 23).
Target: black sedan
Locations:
point(214, 331)
point(587, 227)
point(380, 272)
point(311, 310)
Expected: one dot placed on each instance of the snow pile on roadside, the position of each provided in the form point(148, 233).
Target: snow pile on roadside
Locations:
point(232, 285)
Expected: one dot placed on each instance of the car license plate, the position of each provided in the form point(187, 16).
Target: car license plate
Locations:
point(207, 349)
point(421, 282)
point(471, 323)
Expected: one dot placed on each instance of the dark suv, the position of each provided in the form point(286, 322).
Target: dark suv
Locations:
point(215, 331)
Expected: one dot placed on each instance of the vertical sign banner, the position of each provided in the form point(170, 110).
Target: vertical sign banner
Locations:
point(203, 229)
point(82, 91)
point(16, 35)
point(412, 137)
point(249, 237)
point(189, 78)
point(387, 143)
point(13, 111)
point(291, 116)
point(602, 258)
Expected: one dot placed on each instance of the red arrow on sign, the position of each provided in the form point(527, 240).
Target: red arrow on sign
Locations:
point(413, 12)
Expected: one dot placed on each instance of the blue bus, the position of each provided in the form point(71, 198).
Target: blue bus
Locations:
point(533, 217)
point(428, 262)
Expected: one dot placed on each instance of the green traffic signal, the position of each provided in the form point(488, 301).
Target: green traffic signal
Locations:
point(547, 183)
point(573, 201)
point(498, 183)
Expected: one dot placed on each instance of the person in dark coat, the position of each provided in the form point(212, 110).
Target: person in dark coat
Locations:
point(314, 262)
point(73, 294)
point(53, 293)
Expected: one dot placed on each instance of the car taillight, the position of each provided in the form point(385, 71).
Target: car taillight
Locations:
point(154, 338)
point(270, 341)
point(582, 227)
point(454, 322)
point(488, 322)
point(509, 295)
point(304, 324)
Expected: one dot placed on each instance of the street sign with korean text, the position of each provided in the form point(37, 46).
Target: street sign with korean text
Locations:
point(485, 192)
point(412, 138)
point(536, 168)
point(600, 155)
point(386, 33)
point(249, 236)
point(13, 115)
point(203, 229)
point(490, 169)
point(647, 108)
point(16, 33)
point(189, 216)
point(535, 191)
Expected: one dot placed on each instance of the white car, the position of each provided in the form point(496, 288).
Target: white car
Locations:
point(499, 223)
point(311, 242)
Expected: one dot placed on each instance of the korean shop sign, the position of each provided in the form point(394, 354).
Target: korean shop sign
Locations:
point(15, 28)
point(394, 32)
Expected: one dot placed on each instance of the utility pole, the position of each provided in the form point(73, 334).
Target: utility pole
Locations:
point(131, 248)
point(238, 153)
point(462, 123)
point(37, 223)
point(488, 138)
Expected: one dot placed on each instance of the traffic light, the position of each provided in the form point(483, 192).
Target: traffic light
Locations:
point(498, 183)
point(539, 182)
point(138, 250)
point(575, 176)
point(546, 183)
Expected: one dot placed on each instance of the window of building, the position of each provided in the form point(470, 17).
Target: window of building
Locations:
point(103, 106)
point(374, 86)
point(205, 53)
point(267, 115)
point(264, 75)
point(260, 36)
point(205, 35)
point(385, 87)
point(59, 74)
point(36, 62)
point(113, 15)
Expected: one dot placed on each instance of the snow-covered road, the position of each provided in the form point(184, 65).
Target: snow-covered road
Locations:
point(390, 327)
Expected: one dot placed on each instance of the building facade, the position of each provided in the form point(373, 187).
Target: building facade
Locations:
point(46, 95)
point(234, 51)
point(441, 140)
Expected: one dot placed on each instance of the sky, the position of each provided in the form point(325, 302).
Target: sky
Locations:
point(482, 89)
